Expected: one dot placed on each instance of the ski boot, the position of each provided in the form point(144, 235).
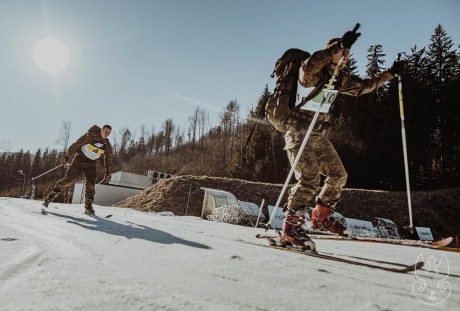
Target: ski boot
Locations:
point(50, 197)
point(323, 217)
point(293, 233)
point(89, 207)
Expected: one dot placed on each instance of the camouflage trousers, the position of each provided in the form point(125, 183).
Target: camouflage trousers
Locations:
point(318, 158)
point(72, 173)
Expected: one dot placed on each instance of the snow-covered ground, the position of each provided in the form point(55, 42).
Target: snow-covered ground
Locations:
point(145, 261)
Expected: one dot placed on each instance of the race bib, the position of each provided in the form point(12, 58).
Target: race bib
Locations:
point(314, 103)
point(92, 152)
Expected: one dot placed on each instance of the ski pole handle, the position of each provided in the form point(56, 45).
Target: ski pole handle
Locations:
point(356, 27)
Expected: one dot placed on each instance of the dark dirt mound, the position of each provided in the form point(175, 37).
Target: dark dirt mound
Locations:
point(438, 209)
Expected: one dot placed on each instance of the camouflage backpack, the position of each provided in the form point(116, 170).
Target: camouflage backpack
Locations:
point(283, 100)
point(94, 130)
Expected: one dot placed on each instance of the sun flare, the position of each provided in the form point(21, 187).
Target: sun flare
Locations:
point(51, 55)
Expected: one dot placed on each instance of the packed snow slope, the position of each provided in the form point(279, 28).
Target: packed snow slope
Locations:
point(148, 261)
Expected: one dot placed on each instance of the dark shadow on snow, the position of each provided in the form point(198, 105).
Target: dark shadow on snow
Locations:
point(130, 230)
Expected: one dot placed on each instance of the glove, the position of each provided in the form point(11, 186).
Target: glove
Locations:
point(107, 177)
point(349, 38)
point(65, 160)
point(398, 68)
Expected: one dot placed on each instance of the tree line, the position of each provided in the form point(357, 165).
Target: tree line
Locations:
point(365, 130)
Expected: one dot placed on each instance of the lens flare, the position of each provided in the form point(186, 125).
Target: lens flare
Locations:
point(51, 55)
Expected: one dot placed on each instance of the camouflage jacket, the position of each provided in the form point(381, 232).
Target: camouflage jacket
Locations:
point(90, 147)
point(315, 70)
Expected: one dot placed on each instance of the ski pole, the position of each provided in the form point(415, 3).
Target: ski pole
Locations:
point(46, 172)
point(260, 212)
point(403, 134)
point(32, 180)
point(307, 135)
point(82, 191)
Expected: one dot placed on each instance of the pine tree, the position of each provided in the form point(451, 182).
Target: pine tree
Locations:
point(264, 157)
point(371, 105)
point(375, 65)
point(124, 144)
point(441, 57)
point(351, 67)
point(442, 69)
point(36, 163)
point(418, 98)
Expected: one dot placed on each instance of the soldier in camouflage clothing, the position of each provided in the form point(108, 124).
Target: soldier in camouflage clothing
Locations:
point(88, 149)
point(319, 156)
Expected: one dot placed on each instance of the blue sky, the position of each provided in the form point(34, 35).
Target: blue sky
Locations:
point(141, 62)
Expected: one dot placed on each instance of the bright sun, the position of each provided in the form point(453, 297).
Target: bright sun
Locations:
point(51, 55)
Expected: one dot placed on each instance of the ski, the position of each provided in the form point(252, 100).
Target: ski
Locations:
point(96, 216)
point(413, 243)
point(404, 268)
point(44, 212)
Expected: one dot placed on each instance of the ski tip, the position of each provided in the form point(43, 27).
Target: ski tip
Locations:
point(443, 242)
point(108, 216)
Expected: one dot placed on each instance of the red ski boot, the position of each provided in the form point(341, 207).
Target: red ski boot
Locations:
point(323, 217)
point(293, 233)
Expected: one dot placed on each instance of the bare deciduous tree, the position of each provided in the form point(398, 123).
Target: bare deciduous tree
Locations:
point(203, 123)
point(168, 128)
point(193, 121)
point(6, 146)
point(64, 135)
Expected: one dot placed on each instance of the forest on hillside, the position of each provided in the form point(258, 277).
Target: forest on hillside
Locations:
point(365, 130)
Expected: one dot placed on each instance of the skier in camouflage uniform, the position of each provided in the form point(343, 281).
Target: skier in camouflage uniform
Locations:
point(88, 149)
point(319, 156)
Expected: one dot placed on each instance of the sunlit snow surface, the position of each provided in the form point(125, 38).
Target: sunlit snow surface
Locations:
point(134, 260)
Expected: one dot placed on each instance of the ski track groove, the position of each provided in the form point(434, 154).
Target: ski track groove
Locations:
point(20, 263)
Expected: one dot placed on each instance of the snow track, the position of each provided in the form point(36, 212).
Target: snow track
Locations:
point(134, 260)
